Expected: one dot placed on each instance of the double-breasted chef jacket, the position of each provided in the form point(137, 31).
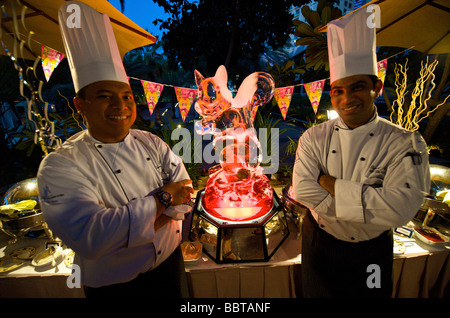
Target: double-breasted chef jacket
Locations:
point(95, 198)
point(382, 173)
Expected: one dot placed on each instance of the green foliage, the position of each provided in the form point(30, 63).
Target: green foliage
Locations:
point(284, 75)
point(317, 120)
point(64, 128)
point(165, 133)
point(268, 122)
point(206, 34)
point(291, 147)
point(262, 120)
point(26, 143)
point(149, 63)
point(286, 171)
point(316, 54)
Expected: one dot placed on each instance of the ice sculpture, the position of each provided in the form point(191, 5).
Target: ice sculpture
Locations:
point(237, 190)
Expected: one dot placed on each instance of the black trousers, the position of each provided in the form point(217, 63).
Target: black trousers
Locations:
point(168, 280)
point(332, 268)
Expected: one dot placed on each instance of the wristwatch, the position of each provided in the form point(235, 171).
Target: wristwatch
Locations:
point(164, 197)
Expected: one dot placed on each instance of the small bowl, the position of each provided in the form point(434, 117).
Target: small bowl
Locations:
point(192, 251)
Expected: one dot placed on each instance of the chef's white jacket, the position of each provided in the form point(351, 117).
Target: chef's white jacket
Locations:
point(382, 173)
point(95, 198)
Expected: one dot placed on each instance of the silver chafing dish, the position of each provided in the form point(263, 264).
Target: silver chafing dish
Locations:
point(435, 209)
point(17, 223)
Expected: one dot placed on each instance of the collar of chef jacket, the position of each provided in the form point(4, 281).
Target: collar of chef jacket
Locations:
point(363, 128)
point(96, 141)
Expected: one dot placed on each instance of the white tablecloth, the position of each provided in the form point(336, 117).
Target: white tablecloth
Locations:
point(423, 271)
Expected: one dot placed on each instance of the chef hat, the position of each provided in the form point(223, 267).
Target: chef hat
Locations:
point(351, 46)
point(91, 47)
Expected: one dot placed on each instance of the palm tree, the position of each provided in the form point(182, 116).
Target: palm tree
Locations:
point(316, 53)
point(284, 75)
point(122, 5)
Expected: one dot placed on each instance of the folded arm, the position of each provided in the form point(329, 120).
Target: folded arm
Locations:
point(392, 204)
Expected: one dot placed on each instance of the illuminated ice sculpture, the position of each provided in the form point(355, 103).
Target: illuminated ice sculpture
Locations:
point(238, 202)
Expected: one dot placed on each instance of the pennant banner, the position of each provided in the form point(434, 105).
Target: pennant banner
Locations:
point(185, 97)
point(152, 93)
point(314, 91)
point(254, 110)
point(382, 66)
point(283, 97)
point(50, 59)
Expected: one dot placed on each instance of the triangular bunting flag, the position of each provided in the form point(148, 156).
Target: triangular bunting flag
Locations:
point(382, 66)
point(50, 59)
point(283, 97)
point(185, 97)
point(152, 93)
point(254, 110)
point(314, 91)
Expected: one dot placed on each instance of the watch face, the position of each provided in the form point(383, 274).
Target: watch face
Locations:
point(166, 196)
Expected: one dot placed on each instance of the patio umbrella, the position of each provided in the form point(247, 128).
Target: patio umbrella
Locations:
point(40, 17)
point(422, 25)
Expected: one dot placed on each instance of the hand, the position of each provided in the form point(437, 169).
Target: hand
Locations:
point(181, 191)
point(161, 221)
point(327, 182)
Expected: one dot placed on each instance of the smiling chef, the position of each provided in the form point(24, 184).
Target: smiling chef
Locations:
point(107, 191)
point(360, 176)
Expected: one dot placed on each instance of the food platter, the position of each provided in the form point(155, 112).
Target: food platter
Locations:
point(16, 258)
point(51, 256)
point(399, 248)
point(431, 236)
point(9, 264)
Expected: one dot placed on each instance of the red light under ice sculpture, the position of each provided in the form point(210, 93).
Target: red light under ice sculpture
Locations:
point(237, 190)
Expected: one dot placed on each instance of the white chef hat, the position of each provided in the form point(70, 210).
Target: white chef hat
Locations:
point(91, 47)
point(351, 46)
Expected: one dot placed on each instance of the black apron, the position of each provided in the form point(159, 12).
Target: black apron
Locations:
point(333, 268)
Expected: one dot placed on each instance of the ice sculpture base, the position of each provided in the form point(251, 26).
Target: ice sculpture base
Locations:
point(225, 241)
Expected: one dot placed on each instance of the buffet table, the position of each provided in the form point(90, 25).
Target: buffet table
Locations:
point(276, 278)
point(30, 281)
point(422, 271)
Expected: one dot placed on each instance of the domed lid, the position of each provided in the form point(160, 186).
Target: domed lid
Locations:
point(23, 190)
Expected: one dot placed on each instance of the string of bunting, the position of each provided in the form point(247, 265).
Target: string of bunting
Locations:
point(186, 96)
point(314, 91)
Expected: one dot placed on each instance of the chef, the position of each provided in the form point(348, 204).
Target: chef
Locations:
point(107, 192)
point(359, 174)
